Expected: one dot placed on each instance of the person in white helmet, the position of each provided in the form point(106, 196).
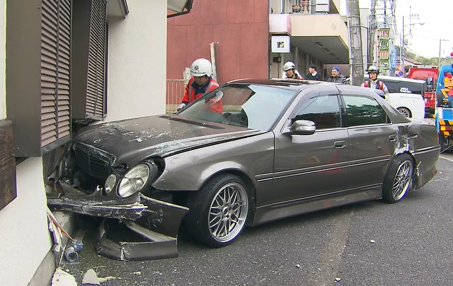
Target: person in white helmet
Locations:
point(373, 82)
point(290, 71)
point(200, 83)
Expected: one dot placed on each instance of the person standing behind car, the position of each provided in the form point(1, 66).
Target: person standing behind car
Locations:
point(336, 76)
point(373, 82)
point(312, 73)
point(200, 83)
point(290, 71)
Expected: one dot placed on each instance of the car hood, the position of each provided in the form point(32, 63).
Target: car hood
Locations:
point(133, 140)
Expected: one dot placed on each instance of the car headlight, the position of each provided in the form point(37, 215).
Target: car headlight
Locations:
point(110, 183)
point(134, 180)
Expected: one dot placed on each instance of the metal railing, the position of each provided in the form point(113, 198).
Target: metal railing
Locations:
point(175, 92)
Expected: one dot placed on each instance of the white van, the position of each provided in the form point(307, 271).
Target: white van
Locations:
point(406, 95)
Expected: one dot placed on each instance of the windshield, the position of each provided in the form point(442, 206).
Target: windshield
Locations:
point(251, 106)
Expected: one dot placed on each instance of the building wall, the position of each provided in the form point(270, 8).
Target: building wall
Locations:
point(326, 25)
point(2, 58)
point(240, 27)
point(24, 236)
point(24, 239)
point(137, 61)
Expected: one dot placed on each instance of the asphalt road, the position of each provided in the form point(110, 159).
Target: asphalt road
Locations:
point(371, 243)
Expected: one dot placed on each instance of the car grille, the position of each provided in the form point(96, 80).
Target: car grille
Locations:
point(93, 161)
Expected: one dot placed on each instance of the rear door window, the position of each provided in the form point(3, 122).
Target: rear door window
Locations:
point(362, 110)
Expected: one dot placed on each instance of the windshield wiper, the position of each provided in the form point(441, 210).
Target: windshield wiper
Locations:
point(192, 122)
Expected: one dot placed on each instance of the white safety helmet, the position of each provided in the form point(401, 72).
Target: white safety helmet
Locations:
point(289, 66)
point(201, 67)
point(373, 69)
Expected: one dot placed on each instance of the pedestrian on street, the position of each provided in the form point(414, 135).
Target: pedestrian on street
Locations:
point(337, 76)
point(200, 83)
point(374, 82)
point(290, 71)
point(312, 73)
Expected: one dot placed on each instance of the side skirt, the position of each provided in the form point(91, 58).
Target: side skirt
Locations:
point(274, 212)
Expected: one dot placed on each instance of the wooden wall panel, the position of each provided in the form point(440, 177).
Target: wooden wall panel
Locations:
point(8, 191)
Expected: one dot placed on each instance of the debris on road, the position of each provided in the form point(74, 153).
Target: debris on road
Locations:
point(90, 278)
point(297, 265)
point(337, 279)
point(373, 241)
point(63, 278)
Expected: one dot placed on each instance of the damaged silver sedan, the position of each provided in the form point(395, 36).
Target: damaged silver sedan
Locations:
point(274, 149)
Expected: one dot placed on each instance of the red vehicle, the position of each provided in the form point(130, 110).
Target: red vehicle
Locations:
point(430, 75)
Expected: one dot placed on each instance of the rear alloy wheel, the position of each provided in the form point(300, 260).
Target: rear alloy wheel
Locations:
point(398, 180)
point(218, 211)
point(404, 111)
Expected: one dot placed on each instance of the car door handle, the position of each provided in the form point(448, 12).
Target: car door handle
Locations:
point(392, 138)
point(339, 144)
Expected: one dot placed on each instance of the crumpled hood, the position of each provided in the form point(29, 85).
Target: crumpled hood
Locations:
point(133, 140)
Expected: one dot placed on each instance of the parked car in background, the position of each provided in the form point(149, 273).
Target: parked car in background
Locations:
point(406, 95)
point(278, 148)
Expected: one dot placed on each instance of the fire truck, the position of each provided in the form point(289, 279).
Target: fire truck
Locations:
point(444, 109)
point(429, 74)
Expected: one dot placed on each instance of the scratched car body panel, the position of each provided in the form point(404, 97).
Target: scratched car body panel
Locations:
point(279, 148)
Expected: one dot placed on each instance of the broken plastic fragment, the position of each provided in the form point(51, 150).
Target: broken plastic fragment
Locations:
point(372, 241)
point(62, 278)
point(104, 279)
point(298, 265)
point(337, 279)
point(91, 278)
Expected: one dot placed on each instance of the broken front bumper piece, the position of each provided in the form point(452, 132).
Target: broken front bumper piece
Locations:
point(155, 221)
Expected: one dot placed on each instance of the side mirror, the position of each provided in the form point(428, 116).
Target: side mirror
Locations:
point(303, 127)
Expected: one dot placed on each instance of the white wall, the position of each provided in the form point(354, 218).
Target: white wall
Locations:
point(2, 58)
point(136, 83)
point(24, 236)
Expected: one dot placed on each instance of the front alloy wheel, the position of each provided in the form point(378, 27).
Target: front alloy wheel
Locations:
point(228, 212)
point(218, 211)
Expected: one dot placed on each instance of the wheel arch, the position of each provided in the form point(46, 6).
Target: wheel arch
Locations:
point(241, 174)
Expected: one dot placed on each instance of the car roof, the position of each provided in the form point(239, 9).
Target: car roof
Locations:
point(282, 82)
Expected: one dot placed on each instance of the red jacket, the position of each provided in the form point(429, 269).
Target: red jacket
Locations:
point(194, 91)
point(191, 88)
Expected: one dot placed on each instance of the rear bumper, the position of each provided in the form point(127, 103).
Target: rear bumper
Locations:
point(427, 165)
point(156, 221)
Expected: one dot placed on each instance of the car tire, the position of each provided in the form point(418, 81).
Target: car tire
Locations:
point(444, 143)
point(405, 112)
point(398, 180)
point(439, 98)
point(218, 211)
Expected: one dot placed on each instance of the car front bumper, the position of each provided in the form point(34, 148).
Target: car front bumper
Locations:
point(156, 221)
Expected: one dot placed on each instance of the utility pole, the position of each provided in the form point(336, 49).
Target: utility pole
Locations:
point(355, 36)
point(372, 31)
point(402, 51)
point(440, 50)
